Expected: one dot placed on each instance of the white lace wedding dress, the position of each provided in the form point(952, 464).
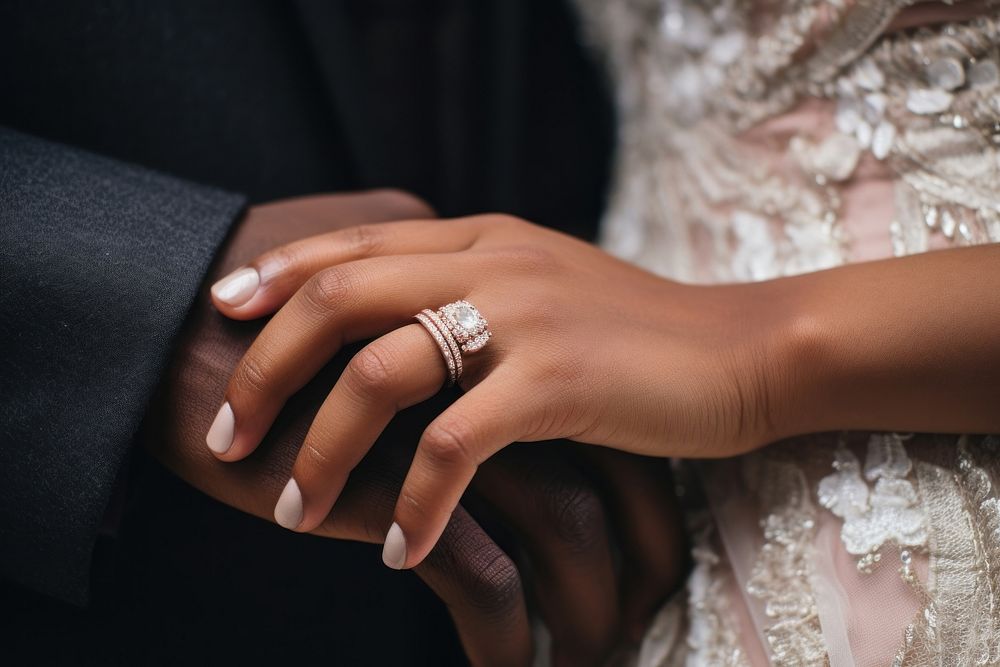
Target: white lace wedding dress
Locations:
point(762, 139)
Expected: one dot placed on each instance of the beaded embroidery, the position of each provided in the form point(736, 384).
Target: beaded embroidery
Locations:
point(691, 78)
point(691, 201)
point(888, 513)
point(782, 573)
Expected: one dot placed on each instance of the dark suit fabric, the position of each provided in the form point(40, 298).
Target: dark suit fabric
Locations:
point(106, 259)
point(129, 126)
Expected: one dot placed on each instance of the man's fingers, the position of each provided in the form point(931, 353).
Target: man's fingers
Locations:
point(647, 519)
point(560, 520)
point(341, 304)
point(483, 591)
point(267, 282)
point(467, 570)
point(483, 421)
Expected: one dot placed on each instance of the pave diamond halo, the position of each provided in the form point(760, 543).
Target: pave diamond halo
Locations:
point(467, 324)
point(458, 328)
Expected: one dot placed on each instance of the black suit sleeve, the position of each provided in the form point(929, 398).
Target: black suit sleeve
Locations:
point(99, 263)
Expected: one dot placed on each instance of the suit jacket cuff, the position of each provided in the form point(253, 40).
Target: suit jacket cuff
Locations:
point(100, 263)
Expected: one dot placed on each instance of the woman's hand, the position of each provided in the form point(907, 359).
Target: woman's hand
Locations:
point(567, 509)
point(585, 347)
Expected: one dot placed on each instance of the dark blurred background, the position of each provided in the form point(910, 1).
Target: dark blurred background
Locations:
point(475, 105)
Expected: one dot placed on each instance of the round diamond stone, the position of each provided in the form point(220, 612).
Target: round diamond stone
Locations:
point(466, 317)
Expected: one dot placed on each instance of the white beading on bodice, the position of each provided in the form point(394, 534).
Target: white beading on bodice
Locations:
point(769, 138)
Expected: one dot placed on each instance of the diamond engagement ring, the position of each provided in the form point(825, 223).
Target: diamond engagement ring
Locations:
point(456, 328)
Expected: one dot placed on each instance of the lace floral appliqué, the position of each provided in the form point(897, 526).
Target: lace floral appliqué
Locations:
point(888, 513)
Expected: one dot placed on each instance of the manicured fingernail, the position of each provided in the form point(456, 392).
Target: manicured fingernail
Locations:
point(238, 287)
point(220, 434)
point(394, 550)
point(288, 511)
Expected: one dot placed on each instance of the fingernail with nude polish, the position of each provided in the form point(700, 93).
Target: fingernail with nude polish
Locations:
point(238, 287)
point(220, 434)
point(288, 511)
point(394, 550)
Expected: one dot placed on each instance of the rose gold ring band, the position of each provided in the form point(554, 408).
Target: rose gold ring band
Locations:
point(442, 343)
point(457, 328)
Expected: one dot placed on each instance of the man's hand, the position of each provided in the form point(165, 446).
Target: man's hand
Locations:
point(565, 509)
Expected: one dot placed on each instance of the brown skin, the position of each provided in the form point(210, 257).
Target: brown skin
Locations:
point(590, 348)
point(568, 508)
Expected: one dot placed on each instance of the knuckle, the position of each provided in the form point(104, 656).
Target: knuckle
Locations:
point(252, 375)
point(364, 240)
point(283, 258)
point(477, 571)
point(577, 517)
point(499, 225)
point(449, 441)
point(494, 584)
point(527, 258)
point(506, 220)
point(372, 370)
point(329, 288)
point(315, 457)
point(418, 505)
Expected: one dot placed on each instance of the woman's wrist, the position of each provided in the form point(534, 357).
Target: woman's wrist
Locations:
point(905, 344)
point(831, 362)
point(800, 375)
point(786, 359)
point(797, 367)
point(745, 377)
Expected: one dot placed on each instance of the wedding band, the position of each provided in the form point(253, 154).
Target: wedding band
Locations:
point(449, 359)
point(449, 337)
point(457, 328)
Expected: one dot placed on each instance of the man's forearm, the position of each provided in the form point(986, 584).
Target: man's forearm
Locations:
point(906, 344)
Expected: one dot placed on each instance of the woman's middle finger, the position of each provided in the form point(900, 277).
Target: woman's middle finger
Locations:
point(396, 371)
